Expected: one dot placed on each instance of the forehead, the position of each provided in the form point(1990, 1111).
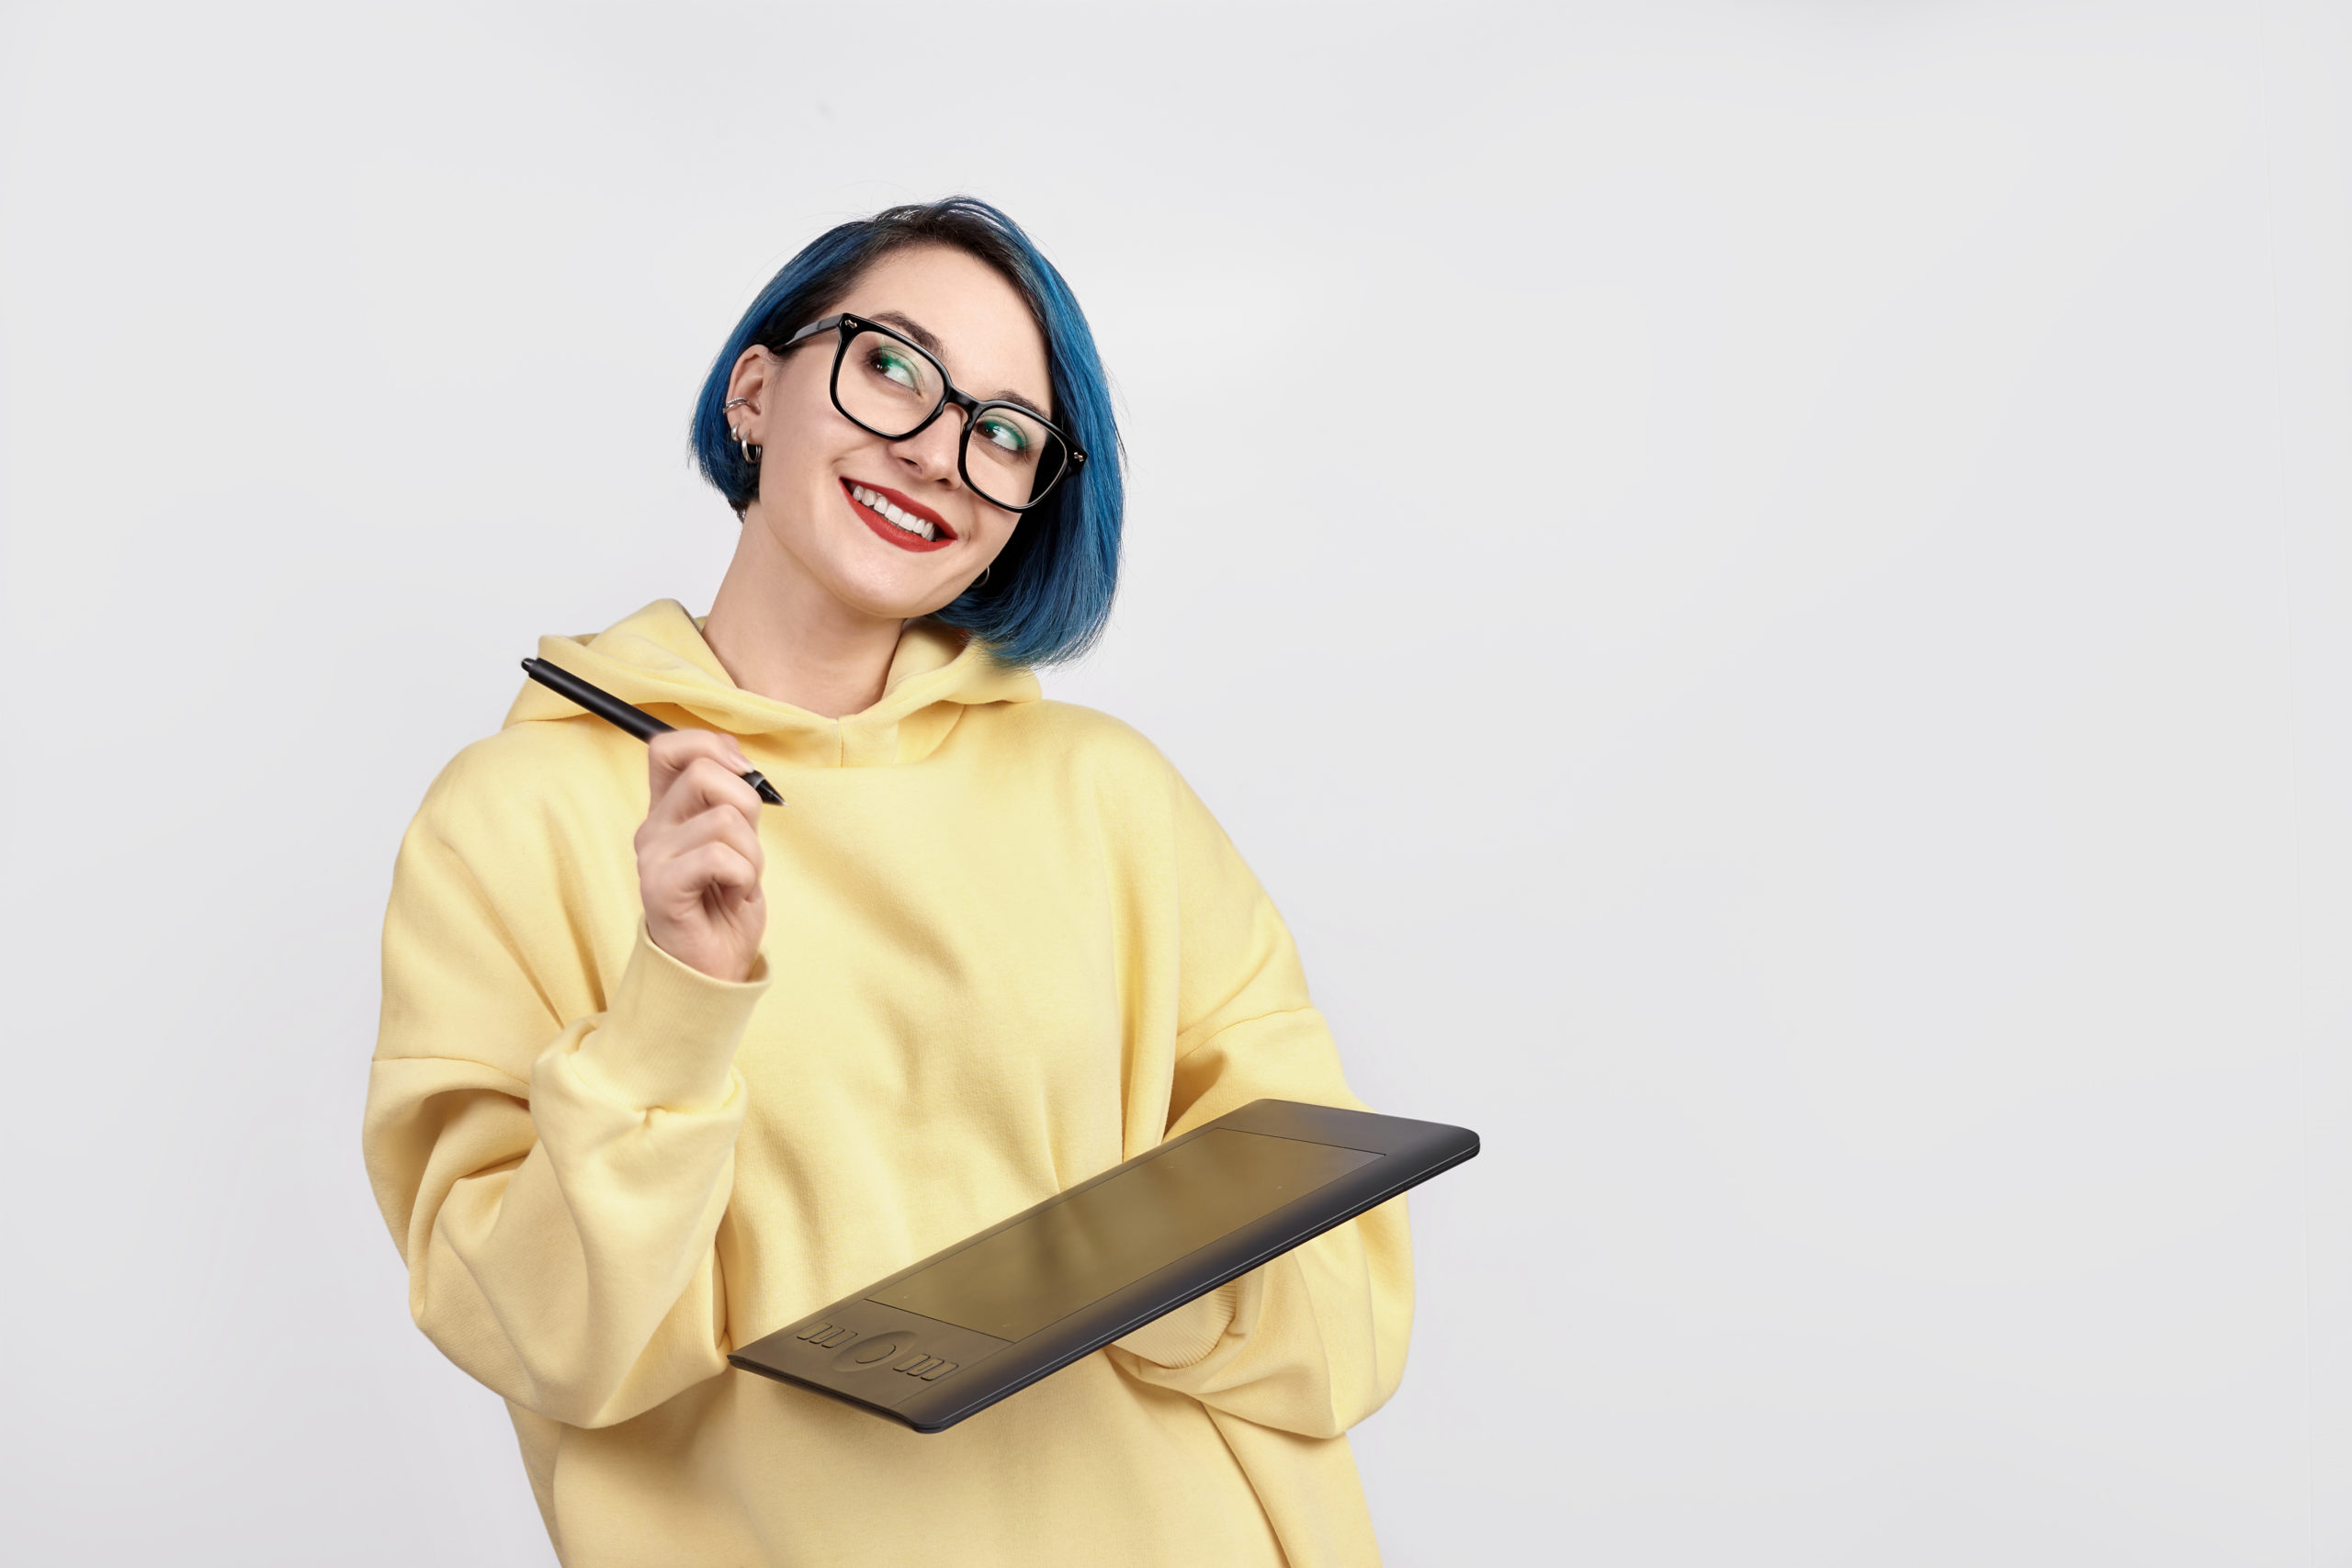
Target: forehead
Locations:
point(988, 339)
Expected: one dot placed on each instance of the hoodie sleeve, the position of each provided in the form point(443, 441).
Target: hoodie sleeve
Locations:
point(553, 1175)
point(1314, 1341)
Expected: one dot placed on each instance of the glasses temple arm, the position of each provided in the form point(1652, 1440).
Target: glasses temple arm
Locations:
point(812, 330)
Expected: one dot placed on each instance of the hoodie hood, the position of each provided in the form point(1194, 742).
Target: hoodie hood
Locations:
point(657, 659)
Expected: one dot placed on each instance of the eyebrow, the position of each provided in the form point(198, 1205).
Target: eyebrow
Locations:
point(923, 336)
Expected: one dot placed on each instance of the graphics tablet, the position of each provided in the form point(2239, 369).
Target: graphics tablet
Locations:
point(950, 1335)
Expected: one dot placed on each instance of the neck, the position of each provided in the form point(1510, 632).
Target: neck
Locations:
point(777, 633)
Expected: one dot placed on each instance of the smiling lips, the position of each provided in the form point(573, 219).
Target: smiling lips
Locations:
point(897, 518)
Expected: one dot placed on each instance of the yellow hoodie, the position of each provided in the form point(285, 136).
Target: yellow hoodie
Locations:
point(1007, 948)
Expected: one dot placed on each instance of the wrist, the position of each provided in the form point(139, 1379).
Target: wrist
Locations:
point(668, 1036)
point(720, 961)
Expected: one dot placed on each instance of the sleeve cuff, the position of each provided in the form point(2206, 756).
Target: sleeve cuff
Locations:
point(668, 1038)
point(1186, 1336)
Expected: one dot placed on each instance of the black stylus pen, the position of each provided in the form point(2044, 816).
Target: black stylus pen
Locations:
point(634, 719)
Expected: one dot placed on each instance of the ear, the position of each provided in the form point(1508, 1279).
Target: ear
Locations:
point(754, 375)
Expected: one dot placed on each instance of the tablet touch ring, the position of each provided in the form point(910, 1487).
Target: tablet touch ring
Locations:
point(873, 1352)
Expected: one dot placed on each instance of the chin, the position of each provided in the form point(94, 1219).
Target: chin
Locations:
point(874, 594)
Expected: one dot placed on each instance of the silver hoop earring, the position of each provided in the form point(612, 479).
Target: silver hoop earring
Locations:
point(983, 579)
point(751, 453)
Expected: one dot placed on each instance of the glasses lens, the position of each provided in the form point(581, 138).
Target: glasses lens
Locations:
point(1011, 457)
point(886, 385)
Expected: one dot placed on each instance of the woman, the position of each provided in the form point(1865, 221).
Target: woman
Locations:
point(636, 1101)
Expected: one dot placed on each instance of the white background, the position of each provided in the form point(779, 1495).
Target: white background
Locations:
point(1765, 583)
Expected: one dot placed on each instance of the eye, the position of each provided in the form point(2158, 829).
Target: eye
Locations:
point(894, 366)
point(1006, 436)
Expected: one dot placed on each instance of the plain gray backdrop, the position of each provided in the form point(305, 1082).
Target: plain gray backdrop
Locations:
point(1764, 583)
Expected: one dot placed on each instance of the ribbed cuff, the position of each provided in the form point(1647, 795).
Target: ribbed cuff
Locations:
point(668, 1039)
point(1187, 1335)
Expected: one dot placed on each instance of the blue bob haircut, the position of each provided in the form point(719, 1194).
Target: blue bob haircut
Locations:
point(1052, 599)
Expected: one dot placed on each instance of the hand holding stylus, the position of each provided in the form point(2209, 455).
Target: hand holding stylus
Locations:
point(699, 857)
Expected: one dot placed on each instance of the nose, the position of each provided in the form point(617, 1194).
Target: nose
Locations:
point(929, 455)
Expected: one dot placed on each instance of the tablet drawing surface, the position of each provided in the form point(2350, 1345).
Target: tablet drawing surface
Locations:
point(1179, 1199)
point(953, 1333)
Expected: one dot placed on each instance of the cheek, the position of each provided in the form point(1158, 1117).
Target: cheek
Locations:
point(990, 528)
point(802, 463)
point(810, 444)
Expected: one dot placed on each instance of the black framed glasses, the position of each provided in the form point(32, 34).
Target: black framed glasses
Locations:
point(1010, 456)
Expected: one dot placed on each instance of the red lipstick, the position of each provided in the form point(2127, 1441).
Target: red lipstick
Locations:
point(890, 531)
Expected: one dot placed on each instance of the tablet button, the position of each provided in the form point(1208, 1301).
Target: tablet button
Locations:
point(912, 1362)
point(940, 1370)
point(820, 1328)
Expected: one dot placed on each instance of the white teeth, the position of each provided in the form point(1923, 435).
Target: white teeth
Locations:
point(873, 502)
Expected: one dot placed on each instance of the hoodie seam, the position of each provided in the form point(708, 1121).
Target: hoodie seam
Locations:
point(1254, 1018)
point(524, 1083)
point(506, 939)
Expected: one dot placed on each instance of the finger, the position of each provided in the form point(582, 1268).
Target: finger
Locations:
point(677, 745)
point(721, 868)
point(715, 872)
point(703, 781)
point(705, 786)
point(670, 754)
point(720, 824)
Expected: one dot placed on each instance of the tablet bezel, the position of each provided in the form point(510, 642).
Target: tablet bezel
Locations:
point(993, 1369)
